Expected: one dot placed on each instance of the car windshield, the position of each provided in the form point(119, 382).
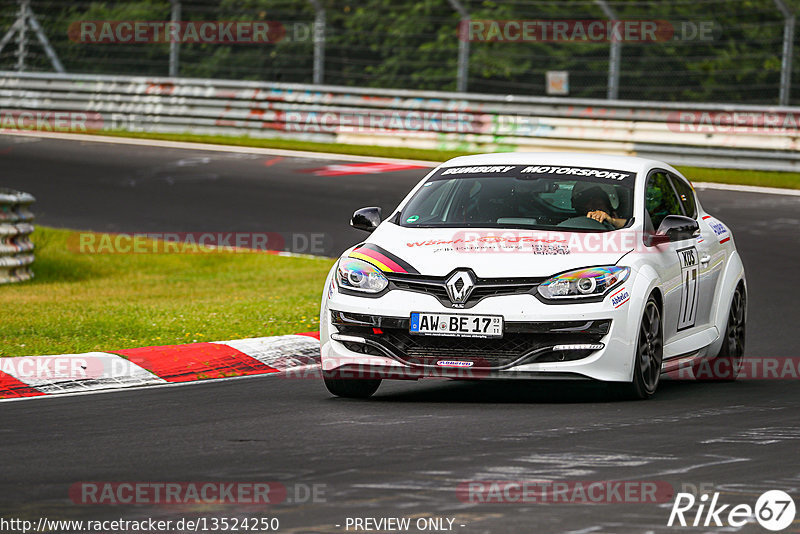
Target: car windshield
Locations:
point(519, 196)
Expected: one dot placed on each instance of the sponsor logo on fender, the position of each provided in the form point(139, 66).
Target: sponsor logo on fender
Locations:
point(620, 298)
point(718, 228)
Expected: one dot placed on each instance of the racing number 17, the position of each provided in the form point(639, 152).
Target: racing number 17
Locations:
point(687, 314)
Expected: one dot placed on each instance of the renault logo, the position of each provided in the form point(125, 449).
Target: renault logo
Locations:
point(459, 286)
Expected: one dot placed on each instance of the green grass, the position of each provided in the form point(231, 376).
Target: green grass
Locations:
point(87, 302)
point(790, 180)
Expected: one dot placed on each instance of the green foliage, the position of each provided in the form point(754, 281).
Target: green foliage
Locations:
point(414, 44)
point(82, 302)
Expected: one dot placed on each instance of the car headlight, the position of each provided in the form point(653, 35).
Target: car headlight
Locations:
point(584, 283)
point(358, 275)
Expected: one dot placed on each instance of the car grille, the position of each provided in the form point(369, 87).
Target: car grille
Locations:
point(484, 287)
point(521, 342)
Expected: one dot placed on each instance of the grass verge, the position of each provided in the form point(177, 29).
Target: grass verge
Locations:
point(82, 302)
point(789, 180)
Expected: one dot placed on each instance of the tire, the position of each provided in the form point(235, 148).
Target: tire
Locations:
point(351, 388)
point(649, 354)
point(727, 364)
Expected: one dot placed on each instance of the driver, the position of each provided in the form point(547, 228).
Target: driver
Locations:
point(594, 202)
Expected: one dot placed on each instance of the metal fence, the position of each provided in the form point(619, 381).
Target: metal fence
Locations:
point(683, 134)
point(16, 248)
point(737, 51)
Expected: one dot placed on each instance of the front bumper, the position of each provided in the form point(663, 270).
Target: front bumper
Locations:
point(586, 340)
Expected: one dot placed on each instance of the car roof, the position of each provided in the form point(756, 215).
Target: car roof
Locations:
point(576, 159)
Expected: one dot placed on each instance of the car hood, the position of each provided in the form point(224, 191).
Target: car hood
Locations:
point(490, 253)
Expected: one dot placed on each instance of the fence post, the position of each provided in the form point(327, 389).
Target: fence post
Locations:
point(22, 36)
point(319, 42)
point(19, 28)
point(463, 46)
point(175, 45)
point(787, 52)
point(614, 53)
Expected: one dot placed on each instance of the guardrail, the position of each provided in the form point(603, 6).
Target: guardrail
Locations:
point(16, 248)
point(753, 137)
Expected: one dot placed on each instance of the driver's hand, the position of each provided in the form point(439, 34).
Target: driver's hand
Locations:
point(599, 216)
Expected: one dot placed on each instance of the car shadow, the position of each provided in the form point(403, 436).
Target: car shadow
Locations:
point(528, 392)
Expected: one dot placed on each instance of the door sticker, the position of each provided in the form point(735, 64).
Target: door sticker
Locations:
point(687, 313)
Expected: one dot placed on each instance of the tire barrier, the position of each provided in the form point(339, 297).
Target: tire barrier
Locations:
point(16, 226)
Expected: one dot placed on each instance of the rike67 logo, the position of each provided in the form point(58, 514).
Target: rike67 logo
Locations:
point(774, 510)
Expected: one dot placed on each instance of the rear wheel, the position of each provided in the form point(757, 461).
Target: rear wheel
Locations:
point(351, 388)
point(649, 353)
point(728, 362)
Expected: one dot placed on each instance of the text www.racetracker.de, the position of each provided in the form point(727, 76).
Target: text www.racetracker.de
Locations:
point(198, 524)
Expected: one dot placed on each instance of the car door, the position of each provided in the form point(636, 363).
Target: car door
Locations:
point(711, 258)
point(677, 263)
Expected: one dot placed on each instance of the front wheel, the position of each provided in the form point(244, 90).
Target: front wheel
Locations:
point(728, 362)
point(351, 388)
point(649, 354)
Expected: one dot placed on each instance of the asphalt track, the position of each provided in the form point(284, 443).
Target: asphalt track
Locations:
point(404, 452)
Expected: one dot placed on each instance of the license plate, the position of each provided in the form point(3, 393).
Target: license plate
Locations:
point(456, 324)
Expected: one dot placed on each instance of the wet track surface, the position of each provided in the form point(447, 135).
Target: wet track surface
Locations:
point(406, 451)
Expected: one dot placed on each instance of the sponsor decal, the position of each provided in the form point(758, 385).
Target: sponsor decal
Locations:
point(718, 227)
point(454, 363)
point(550, 171)
point(382, 259)
point(485, 169)
point(475, 241)
point(537, 243)
point(620, 297)
point(578, 171)
point(690, 288)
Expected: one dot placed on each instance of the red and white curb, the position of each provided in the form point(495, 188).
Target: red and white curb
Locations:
point(36, 376)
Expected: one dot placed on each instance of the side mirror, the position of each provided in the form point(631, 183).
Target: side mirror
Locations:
point(366, 219)
point(673, 228)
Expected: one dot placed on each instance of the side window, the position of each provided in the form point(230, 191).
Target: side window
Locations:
point(660, 199)
point(686, 196)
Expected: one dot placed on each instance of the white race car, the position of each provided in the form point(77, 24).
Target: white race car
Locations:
point(540, 266)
